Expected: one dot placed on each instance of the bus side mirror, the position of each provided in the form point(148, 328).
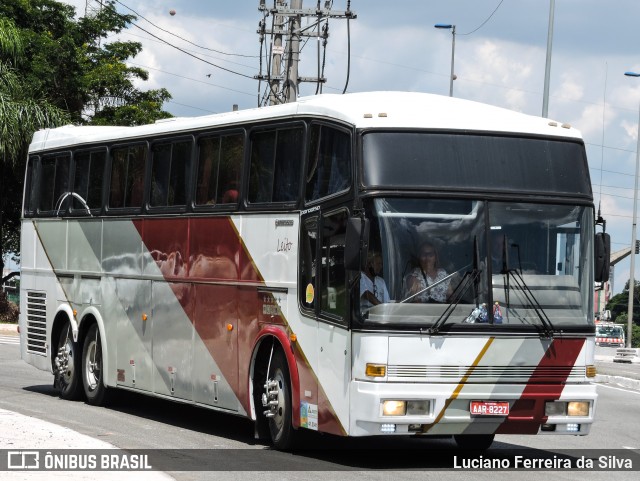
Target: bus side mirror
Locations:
point(356, 244)
point(602, 246)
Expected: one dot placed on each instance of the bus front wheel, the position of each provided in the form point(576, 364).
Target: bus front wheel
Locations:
point(92, 370)
point(66, 365)
point(277, 402)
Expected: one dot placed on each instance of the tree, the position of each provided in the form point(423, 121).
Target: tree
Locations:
point(22, 111)
point(619, 304)
point(83, 78)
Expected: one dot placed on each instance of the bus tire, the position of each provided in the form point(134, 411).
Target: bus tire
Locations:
point(92, 368)
point(66, 365)
point(280, 425)
point(474, 442)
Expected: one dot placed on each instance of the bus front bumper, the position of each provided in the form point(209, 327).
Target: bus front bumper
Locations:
point(445, 409)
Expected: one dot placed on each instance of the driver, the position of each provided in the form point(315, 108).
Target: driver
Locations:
point(428, 272)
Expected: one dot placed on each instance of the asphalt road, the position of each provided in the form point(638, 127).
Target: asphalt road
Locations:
point(134, 421)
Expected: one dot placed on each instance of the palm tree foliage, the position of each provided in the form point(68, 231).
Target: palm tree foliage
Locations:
point(57, 69)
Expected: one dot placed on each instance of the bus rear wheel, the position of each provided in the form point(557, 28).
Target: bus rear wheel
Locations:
point(66, 365)
point(277, 403)
point(474, 442)
point(92, 368)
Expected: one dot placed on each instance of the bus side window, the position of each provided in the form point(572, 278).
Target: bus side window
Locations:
point(308, 263)
point(275, 165)
point(329, 167)
point(219, 168)
point(89, 172)
point(231, 157)
point(31, 183)
point(333, 277)
point(54, 183)
point(127, 176)
point(169, 173)
point(208, 159)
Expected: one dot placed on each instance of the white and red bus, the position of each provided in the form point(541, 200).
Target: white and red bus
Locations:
point(218, 261)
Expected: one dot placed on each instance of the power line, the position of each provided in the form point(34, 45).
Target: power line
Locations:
point(129, 33)
point(192, 55)
point(182, 38)
point(189, 78)
point(482, 24)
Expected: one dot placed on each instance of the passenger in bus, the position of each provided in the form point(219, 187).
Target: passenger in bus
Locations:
point(427, 273)
point(373, 289)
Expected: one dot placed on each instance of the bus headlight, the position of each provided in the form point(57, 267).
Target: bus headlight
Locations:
point(394, 408)
point(571, 408)
point(555, 409)
point(578, 408)
point(405, 408)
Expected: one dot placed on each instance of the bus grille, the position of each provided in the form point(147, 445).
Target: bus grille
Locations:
point(480, 374)
point(37, 322)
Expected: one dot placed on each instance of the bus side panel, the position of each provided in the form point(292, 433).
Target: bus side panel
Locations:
point(31, 323)
point(194, 353)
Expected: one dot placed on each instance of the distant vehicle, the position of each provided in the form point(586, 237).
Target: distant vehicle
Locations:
point(610, 334)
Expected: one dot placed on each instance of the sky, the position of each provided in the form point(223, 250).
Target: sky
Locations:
point(500, 54)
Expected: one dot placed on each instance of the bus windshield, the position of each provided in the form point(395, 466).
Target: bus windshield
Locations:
point(476, 263)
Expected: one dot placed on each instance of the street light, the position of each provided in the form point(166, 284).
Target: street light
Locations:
point(633, 233)
point(453, 51)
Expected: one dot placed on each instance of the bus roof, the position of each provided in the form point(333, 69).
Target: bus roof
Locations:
point(413, 110)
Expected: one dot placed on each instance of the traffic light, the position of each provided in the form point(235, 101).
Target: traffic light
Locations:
point(638, 247)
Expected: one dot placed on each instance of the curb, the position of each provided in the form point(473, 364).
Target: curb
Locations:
point(9, 328)
point(618, 381)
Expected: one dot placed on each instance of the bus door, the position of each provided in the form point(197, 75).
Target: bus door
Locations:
point(334, 346)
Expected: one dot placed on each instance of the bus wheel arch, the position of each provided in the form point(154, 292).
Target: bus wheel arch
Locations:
point(65, 356)
point(277, 388)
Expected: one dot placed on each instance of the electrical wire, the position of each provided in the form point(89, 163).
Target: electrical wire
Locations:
point(182, 38)
point(483, 23)
point(348, 47)
point(192, 55)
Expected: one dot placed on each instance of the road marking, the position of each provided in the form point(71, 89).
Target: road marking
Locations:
point(629, 447)
point(619, 389)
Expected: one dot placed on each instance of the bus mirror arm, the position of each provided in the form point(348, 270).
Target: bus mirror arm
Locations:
point(356, 243)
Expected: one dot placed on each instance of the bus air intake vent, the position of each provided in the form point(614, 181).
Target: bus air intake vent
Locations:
point(37, 322)
point(480, 374)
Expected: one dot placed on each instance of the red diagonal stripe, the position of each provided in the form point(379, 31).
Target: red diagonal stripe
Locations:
point(527, 413)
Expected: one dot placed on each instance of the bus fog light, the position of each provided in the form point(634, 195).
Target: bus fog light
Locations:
point(387, 428)
point(417, 408)
point(573, 428)
point(578, 408)
point(555, 409)
point(394, 408)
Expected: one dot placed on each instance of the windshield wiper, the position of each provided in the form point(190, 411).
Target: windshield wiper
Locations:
point(533, 303)
point(470, 278)
point(521, 285)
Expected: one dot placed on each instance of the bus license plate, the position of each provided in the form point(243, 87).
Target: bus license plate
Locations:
point(489, 408)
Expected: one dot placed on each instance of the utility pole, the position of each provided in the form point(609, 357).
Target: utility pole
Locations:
point(276, 56)
point(284, 83)
point(291, 83)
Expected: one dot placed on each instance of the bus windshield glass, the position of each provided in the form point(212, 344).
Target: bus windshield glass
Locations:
point(476, 263)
